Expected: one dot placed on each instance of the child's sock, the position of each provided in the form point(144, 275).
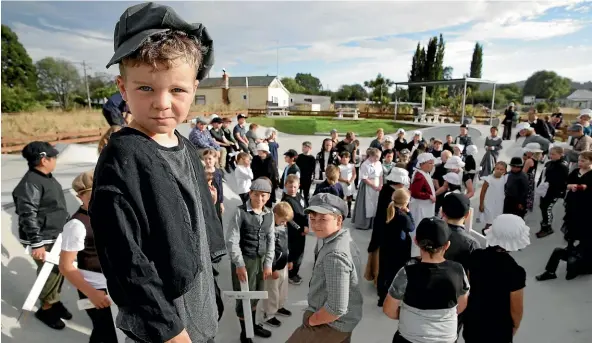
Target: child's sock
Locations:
point(349, 203)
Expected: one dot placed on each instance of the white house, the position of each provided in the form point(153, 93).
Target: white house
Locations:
point(581, 98)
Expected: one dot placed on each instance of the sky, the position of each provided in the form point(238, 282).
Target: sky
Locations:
point(338, 42)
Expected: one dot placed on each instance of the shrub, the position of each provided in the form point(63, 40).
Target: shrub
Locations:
point(17, 99)
point(541, 107)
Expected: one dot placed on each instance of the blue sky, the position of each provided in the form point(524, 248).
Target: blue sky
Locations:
point(339, 42)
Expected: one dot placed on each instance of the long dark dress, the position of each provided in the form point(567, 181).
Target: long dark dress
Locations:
point(266, 168)
point(531, 182)
point(577, 207)
point(395, 250)
point(384, 199)
point(490, 158)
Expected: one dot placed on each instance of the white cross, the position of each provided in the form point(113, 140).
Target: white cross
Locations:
point(245, 296)
point(52, 259)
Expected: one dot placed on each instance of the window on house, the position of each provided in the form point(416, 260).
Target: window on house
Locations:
point(244, 97)
point(200, 99)
point(275, 100)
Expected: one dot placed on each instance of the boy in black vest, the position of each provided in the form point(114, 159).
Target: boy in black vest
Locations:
point(251, 243)
point(78, 243)
point(291, 167)
point(297, 228)
point(41, 208)
point(306, 162)
point(157, 230)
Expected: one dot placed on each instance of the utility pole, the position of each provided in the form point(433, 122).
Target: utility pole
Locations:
point(86, 84)
point(277, 58)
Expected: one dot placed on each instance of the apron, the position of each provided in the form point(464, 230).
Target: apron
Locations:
point(421, 209)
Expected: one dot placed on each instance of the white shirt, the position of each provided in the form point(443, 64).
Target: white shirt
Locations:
point(73, 240)
point(243, 176)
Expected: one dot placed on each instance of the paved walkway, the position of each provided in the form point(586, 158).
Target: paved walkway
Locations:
point(555, 311)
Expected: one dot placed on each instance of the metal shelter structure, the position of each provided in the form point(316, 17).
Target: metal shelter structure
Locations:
point(464, 81)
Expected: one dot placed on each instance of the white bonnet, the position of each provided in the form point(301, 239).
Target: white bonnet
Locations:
point(452, 178)
point(522, 126)
point(509, 232)
point(399, 175)
point(423, 158)
point(472, 150)
point(454, 162)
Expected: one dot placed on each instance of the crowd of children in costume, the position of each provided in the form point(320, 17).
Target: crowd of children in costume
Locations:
point(398, 188)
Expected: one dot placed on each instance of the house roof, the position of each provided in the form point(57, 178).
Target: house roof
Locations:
point(580, 94)
point(238, 81)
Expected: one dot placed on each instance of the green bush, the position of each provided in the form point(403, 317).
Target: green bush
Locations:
point(17, 99)
point(429, 102)
point(405, 109)
point(541, 107)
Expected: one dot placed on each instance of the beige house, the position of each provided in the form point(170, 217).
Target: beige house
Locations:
point(256, 92)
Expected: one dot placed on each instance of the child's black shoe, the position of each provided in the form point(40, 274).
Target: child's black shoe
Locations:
point(50, 318)
point(546, 276)
point(273, 322)
point(284, 312)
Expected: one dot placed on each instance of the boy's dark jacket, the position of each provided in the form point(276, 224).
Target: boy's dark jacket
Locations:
point(556, 173)
point(146, 245)
point(306, 163)
point(267, 168)
point(293, 169)
point(40, 204)
point(281, 248)
point(295, 227)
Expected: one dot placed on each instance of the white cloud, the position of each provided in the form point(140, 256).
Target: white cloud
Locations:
point(316, 32)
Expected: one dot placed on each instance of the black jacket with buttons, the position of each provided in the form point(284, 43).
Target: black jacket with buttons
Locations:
point(41, 208)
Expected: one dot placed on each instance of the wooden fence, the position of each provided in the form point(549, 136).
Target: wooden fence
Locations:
point(10, 145)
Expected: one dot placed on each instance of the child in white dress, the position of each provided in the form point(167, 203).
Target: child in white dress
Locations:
point(493, 194)
point(347, 176)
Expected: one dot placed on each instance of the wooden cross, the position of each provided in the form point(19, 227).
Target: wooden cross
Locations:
point(52, 259)
point(245, 296)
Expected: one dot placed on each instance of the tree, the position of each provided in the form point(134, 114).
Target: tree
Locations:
point(354, 92)
point(379, 89)
point(447, 73)
point(439, 64)
point(415, 74)
point(58, 77)
point(401, 95)
point(312, 84)
point(547, 85)
point(476, 64)
point(429, 66)
point(292, 86)
point(17, 67)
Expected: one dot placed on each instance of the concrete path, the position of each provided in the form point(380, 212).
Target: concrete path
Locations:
point(555, 311)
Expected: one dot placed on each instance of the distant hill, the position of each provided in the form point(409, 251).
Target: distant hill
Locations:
point(520, 84)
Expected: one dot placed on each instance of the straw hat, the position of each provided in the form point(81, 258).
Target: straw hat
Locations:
point(509, 232)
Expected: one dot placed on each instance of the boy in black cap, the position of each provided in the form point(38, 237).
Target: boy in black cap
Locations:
point(427, 296)
point(150, 196)
point(307, 163)
point(464, 138)
point(41, 208)
point(516, 189)
point(218, 135)
point(291, 167)
point(240, 133)
point(455, 208)
point(251, 243)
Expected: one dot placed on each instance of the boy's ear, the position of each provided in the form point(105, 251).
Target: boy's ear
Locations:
point(195, 86)
point(121, 86)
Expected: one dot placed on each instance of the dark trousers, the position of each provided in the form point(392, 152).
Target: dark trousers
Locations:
point(219, 300)
point(559, 254)
point(578, 258)
point(297, 262)
point(102, 320)
point(400, 339)
point(512, 206)
point(507, 135)
point(305, 190)
point(357, 180)
point(547, 204)
point(320, 333)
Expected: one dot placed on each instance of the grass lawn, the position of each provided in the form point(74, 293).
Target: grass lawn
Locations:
point(312, 125)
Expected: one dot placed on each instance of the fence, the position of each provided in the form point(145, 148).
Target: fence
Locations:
point(10, 145)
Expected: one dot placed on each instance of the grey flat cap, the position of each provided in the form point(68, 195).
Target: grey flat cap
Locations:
point(576, 127)
point(261, 185)
point(326, 203)
point(140, 22)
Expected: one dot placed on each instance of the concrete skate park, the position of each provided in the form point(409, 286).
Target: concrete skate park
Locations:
point(554, 311)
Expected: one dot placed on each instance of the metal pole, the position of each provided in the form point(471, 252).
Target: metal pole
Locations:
point(492, 105)
point(277, 58)
point(247, 85)
point(396, 102)
point(423, 97)
point(464, 101)
point(86, 83)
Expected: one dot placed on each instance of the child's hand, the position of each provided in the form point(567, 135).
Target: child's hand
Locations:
point(214, 193)
point(275, 275)
point(241, 272)
point(481, 208)
point(266, 273)
point(432, 198)
point(290, 265)
point(305, 231)
point(222, 208)
point(572, 187)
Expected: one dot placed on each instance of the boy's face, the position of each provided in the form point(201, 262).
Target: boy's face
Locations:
point(584, 163)
point(449, 139)
point(241, 121)
point(216, 126)
point(388, 158)
point(292, 188)
point(463, 131)
point(554, 155)
point(344, 160)
point(288, 159)
point(49, 163)
point(245, 162)
point(516, 169)
point(324, 225)
point(493, 132)
point(328, 145)
point(388, 145)
point(258, 199)
point(437, 146)
point(159, 99)
point(280, 221)
point(262, 154)
point(305, 149)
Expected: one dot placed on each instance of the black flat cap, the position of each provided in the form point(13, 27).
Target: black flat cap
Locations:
point(140, 22)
